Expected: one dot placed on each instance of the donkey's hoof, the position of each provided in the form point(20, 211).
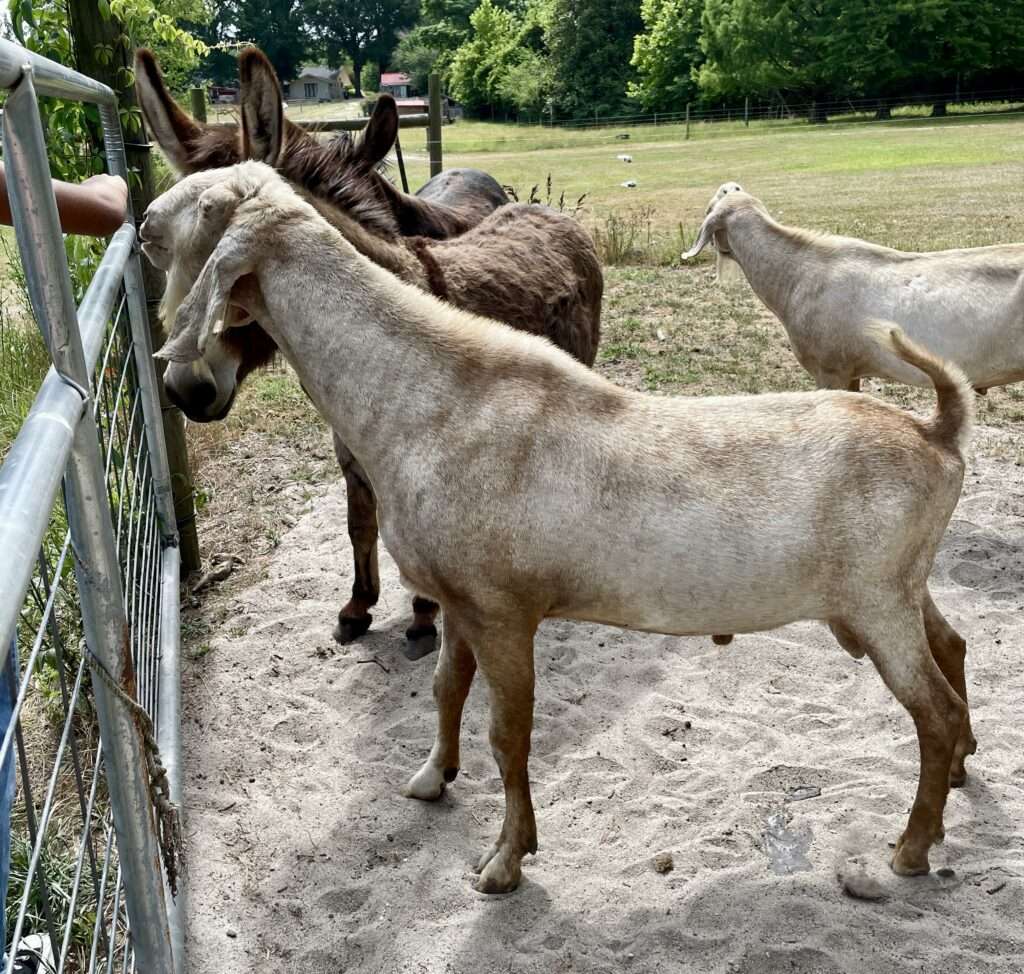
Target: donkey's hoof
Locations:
point(907, 861)
point(350, 628)
point(420, 641)
point(501, 874)
point(722, 639)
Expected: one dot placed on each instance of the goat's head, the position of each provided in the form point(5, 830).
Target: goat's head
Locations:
point(729, 200)
point(181, 230)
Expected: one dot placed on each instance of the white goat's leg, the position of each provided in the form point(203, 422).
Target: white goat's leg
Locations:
point(453, 677)
point(506, 661)
point(898, 646)
point(949, 650)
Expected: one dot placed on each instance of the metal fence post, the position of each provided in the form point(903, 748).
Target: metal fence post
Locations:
point(434, 129)
point(96, 563)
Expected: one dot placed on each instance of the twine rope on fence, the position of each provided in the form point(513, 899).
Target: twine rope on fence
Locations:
point(168, 815)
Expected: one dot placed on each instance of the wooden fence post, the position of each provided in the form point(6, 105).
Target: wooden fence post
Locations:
point(434, 125)
point(687, 136)
point(95, 34)
point(198, 96)
point(746, 112)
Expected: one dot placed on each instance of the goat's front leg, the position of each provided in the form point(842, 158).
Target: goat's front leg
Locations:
point(354, 619)
point(453, 677)
point(505, 659)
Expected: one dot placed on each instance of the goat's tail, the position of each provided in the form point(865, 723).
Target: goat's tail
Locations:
point(954, 415)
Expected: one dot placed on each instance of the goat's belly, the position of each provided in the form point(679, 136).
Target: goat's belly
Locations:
point(686, 603)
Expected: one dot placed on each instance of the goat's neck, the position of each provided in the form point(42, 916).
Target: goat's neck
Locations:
point(372, 358)
point(774, 258)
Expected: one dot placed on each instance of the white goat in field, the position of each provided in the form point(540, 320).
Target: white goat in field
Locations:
point(515, 484)
point(965, 306)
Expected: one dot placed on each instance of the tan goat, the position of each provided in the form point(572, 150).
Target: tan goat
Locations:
point(966, 306)
point(535, 488)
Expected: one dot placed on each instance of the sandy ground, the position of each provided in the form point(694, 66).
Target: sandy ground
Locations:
point(761, 768)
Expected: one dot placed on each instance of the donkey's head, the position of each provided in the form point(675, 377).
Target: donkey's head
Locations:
point(179, 228)
point(342, 172)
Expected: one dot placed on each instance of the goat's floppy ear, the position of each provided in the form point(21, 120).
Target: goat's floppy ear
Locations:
point(705, 236)
point(262, 108)
point(380, 133)
point(170, 126)
point(207, 309)
point(219, 202)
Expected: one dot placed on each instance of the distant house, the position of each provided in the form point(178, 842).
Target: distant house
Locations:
point(396, 83)
point(317, 83)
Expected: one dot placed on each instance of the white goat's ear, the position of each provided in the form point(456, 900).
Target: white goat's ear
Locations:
point(206, 310)
point(219, 201)
point(704, 237)
point(262, 108)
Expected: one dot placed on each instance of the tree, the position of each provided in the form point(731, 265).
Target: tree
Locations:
point(591, 42)
point(668, 54)
point(276, 27)
point(812, 48)
point(365, 30)
point(485, 59)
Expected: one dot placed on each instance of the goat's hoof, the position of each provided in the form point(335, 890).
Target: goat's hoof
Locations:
point(501, 874)
point(427, 784)
point(350, 628)
point(958, 777)
point(722, 639)
point(420, 641)
point(908, 862)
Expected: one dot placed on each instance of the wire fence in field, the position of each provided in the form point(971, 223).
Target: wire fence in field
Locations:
point(707, 121)
point(88, 596)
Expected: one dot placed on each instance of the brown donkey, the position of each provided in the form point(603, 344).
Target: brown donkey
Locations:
point(527, 266)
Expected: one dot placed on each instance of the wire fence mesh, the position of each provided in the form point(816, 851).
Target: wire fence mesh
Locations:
point(65, 881)
point(101, 594)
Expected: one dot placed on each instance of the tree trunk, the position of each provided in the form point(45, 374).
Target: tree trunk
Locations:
point(939, 109)
point(357, 77)
point(883, 113)
point(92, 33)
point(818, 115)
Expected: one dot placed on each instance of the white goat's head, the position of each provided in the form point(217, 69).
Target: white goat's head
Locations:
point(724, 190)
point(181, 229)
point(729, 201)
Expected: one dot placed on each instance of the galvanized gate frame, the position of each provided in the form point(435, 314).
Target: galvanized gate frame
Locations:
point(59, 441)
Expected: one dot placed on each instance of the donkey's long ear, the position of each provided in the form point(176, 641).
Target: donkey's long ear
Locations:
point(206, 310)
point(262, 108)
point(380, 133)
point(170, 126)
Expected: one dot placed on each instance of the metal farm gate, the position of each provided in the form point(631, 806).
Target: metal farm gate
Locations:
point(89, 567)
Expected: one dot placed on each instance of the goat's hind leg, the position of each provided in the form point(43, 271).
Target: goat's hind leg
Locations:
point(354, 619)
point(950, 650)
point(453, 677)
point(897, 644)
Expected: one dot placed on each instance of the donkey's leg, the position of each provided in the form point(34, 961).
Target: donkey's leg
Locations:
point(453, 676)
point(421, 636)
point(505, 657)
point(354, 618)
point(898, 646)
point(949, 650)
